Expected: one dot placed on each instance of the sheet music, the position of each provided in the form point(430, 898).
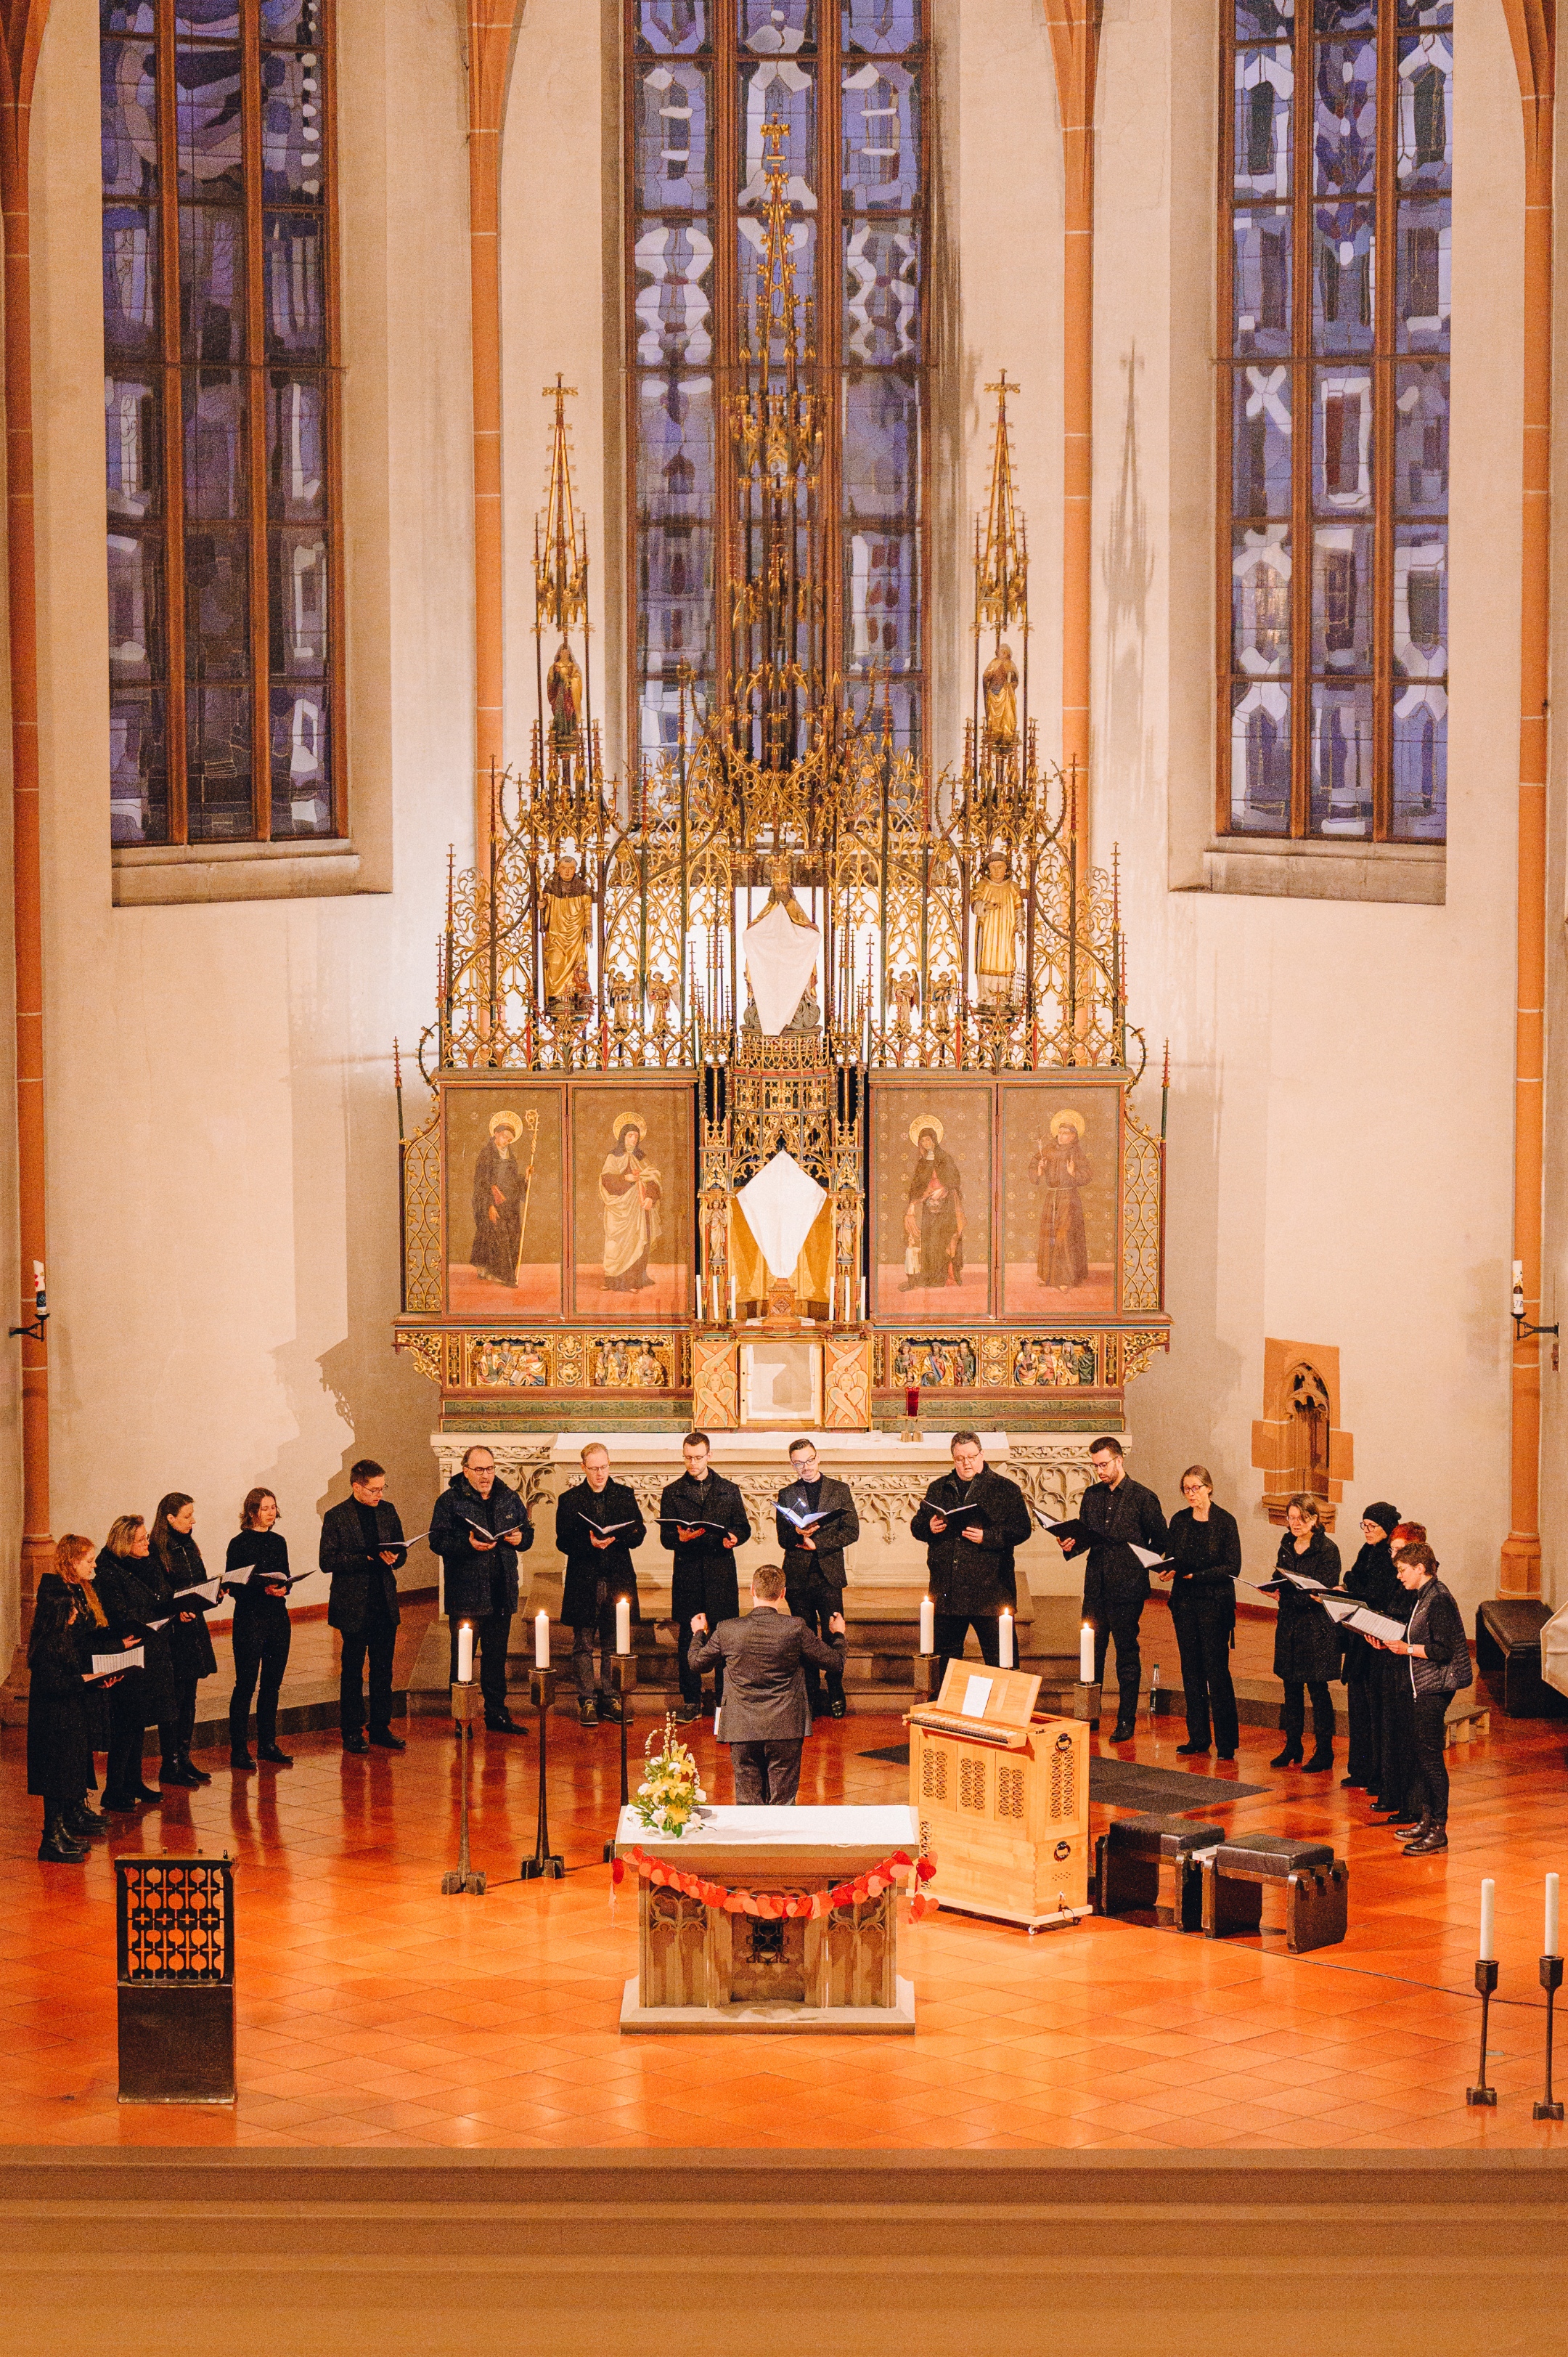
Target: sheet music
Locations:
point(976, 1694)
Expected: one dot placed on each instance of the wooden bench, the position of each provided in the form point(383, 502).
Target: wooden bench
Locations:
point(1316, 1889)
point(1127, 1861)
point(1507, 1652)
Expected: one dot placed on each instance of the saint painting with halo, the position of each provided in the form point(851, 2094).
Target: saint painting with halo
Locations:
point(1060, 1168)
point(498, 1185)
point(933, 1210)
point(631, 1194)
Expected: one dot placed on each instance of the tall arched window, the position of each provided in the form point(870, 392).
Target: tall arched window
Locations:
point(847, 77)
point(225, 612)
point(1337, 154)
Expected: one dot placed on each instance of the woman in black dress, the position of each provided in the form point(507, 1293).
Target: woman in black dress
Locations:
point(1396, 1797)
point(178, 1556)
point(1205, 1547)
point(63, 1710)
point(261, 1631)
point(1372, 1582)
point(1306, 1642)
point(1435, 1655)
point(134, 1593)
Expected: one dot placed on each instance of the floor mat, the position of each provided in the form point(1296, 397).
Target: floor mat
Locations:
point(1131, 1784)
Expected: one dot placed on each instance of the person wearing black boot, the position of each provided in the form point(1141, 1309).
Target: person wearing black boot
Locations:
point(479, 1529)
point(1372, 1582)
point(813, 1560)
point(972, 1521)
point(703, 1577)
point(60, 1710)
point(134, 1595)
point(72, 1576)
point(262, 1631)
point(1306, 1642)
point(1395, 1802)
point(598, 1524)
point(178, 1557)
point(1437, 1657)
point(1122, 1514)
point(1205, 1549)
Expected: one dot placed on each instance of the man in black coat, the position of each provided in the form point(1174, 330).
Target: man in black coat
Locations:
point(479, 1529)
point(599, 1571)
point(1122, 1514)
point(766, 1716)
point(360, 1553)
point(702, 1521)
point(970, 1572)
point(814, 1559)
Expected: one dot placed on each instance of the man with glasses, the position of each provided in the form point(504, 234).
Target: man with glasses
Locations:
point(1122, 1514)
point(361, 1553)
point(813, 1561)
point(479, 1529)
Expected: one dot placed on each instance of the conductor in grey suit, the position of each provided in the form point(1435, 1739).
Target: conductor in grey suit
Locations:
point(766, 1716)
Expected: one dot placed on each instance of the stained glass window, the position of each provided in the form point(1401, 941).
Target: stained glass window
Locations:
point(225, 617)
point(1337, 152)
point(849, 78)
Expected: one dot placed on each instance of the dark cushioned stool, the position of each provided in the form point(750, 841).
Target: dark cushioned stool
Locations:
point(1127, 1864)
point(1317, 1886)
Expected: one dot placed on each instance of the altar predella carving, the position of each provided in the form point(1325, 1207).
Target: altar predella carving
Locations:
point(783, 1032)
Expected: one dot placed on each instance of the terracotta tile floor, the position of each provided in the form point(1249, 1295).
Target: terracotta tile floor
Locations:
point(374, 2011)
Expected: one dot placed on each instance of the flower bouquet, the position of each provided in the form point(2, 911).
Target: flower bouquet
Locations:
point(669, 1795)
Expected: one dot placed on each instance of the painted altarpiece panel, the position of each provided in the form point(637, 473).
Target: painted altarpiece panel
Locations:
point(504, 1191)
point(633, 1187)
point(931, 1201)
point(1060, 1181)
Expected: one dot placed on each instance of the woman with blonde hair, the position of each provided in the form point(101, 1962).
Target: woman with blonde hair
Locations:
point(256, 1574)
point(179, 1558)
point(1306, 1642)
point(63, 1711)
point(134, 1595)
point(1205, 1548)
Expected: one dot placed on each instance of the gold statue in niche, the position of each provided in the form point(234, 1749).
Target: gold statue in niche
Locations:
point(564, 687)
point(998, 910)
point(1000, 681)
point(781, 892)
point(565, 915)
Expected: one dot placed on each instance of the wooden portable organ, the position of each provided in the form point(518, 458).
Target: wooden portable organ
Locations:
point(1002, 1798)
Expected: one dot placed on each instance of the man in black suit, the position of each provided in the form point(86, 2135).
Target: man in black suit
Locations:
point(479, 1529)
point(1122, 1514)
point(702, 1521)
point(970, 1562)
point(766, 1716)
point(361, 1552)
point(599, 1571)
point(814, 1559)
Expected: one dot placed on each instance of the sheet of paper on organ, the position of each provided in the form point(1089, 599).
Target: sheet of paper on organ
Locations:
point(976, 1694)
point(780, 1204)
point(780, 957)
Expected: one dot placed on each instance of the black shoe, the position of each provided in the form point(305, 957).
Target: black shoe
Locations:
point(60, 1846)
point(687, 1713)
point(1319, 1764)
point(1351, 1785)
point(200, 1774)
point(240, 1762)
point(1390, 1817)
point(1289, 1757)
point(385, 1741)
point(608, 1707)
point(175, 1771)
point(1186, 1750)
point(1225, 1755)
point(837, 1707)
point(120, 1804)
point(355, 1742)
point(144, 1796)
point(504, 1725)
point(1435, 1838)
point(84, 1823)
point(587, 1714)
point(1124, 1731)
point(274, 1757)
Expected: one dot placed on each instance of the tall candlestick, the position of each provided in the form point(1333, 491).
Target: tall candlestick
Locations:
point(1488, 1903)
point(1086, 1654)
point(465, 1652)
point(928, 1625)
point(623, 1624)
point(1549, 1949)
point(542, 1641)
point(1004, 1640)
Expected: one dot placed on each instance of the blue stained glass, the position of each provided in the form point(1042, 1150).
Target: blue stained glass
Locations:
point(297, 615)
point(674, 160)
point(297, 446)
point(206, 20)
point(1421, 440)
point(881, 139)
point(218, 764)
point(293, 24)
point(1260, 757)
point(299, 724)
point(780, 28)
point(1421, 601)
point(1336, 16)
point(672, 29)
point(673, 262)
point(882, 293)
point(1340, 764)
point(211, 285)
point(1421, 252)
point(1342, 451)
point(1425, 147)
point(1261, 441)
point(217, 604)
point(1266, 79)
point(132, 453)
point(880, 463)
point(880, 600)
point(292, 122)
point(126, 17)
point(136, 650)
point(208, 130)
point(880, 27)
point(214, 429)
point(294, 292)
point(675, 447)
point(780, 90)
point(130, 277)
point(1260, 283)
point(138, 766)
point(1342, 598)
point(1421, 763)
point(127, 73)
point(1343, 278)
point(1345, 119)
point(1260, 602)
point(676, 508)
point(1436, 13)
point(1265, 20)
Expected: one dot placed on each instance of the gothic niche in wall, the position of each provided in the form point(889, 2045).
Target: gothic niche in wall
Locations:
point(1300, 1443)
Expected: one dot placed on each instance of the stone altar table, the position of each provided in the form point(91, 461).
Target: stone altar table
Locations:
point(702, 1969)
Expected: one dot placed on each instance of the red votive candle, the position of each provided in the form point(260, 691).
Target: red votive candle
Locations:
point(912, 1400)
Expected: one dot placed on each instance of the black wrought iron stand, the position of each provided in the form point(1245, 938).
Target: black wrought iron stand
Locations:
point(466, 1704)
point(541, 1694)
point(623, 1672)
point(1485, 1982)
point(1551, 1981)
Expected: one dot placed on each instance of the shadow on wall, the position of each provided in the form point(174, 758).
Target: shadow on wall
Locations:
point(1128, 573)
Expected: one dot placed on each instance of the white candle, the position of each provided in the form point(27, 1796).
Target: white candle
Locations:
point(465, 1652)
point(1488, 1899)
point(928, 1625)
point(623, 1624)
point(1086, 1654)
point(1004, 1640)
point(1551, 1947)
point(542, 1641)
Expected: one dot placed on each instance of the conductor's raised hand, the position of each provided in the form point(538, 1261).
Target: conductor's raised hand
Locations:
point(699, 1624)
point(835, 1624)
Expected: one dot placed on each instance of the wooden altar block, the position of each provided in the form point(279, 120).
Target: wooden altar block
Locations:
point(700, 1968)
point(1002, 1799)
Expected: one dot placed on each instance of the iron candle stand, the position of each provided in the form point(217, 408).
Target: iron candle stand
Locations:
point(1551, 1981)
point(623, 1675)
point(1485, 1982)
point(541, 1694)
point(466, 1702)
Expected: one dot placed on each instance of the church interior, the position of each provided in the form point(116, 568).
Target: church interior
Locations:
point(769, 1059)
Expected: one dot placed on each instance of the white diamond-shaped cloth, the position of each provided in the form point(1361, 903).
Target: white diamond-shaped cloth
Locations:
point(780, 1204)
point(780, 956)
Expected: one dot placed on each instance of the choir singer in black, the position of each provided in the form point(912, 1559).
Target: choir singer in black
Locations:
point(971, 1520)
point(814, 1559)
point(701, 1521)
point(1206, 1553)
point(361, 1551)
point(479, 1529)
point(1122, 1514)
point(598, 1524)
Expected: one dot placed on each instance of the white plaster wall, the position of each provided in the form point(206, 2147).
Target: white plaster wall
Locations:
point(222, 1137)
